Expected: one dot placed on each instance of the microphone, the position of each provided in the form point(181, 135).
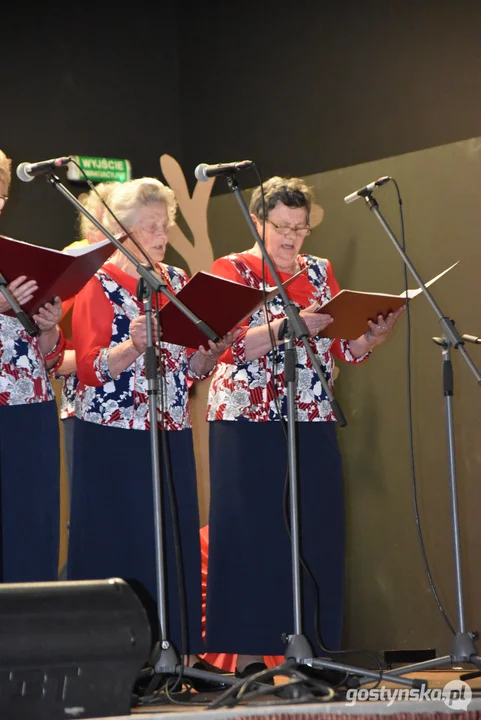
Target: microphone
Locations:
point(367, 189)
point(472, 339)
point(28, 171)
point(203, 171)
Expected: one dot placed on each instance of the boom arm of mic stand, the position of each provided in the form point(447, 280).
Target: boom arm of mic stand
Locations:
point(447, 325)
point(298, 327)
point(146, 273)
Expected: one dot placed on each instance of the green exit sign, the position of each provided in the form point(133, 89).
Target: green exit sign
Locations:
point(98, 169)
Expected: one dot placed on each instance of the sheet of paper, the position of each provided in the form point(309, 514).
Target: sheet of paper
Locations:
point(412, 293)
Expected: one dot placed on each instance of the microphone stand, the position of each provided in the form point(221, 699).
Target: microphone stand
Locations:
point(165, 657)
point(20, 314)
point(463, 649)
point(298, 646)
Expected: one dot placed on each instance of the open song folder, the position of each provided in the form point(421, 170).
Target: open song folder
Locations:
point(351, 309)
point(57, 273)
point(223, 304)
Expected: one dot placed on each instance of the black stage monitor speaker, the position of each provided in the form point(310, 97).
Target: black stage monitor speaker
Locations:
point(70, 649)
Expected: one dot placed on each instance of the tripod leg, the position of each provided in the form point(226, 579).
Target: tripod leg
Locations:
point(470, 676)
point(365, 676)
point(166, 665)
point(464, 650)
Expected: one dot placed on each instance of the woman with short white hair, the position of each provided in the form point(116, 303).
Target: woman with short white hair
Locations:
point(112, 520)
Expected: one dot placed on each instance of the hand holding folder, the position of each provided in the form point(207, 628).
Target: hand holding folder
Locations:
point(352, 309)
point(57, 273)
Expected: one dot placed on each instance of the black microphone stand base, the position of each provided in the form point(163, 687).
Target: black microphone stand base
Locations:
point(165, 665)
point(463, 651)
point(299, 649)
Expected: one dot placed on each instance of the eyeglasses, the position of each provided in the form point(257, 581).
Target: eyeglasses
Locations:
point(286, 229)
point(154, 229)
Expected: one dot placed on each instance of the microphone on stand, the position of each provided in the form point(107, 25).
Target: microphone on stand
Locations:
point(472, 339)
point(28, 171)
point(367, 189)
point(203, 171)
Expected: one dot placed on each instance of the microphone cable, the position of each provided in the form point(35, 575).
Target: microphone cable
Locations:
point(410, 425)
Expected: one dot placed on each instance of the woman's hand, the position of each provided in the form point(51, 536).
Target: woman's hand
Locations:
point(138, 333)
point(49, 315)
point(379, 331)
point(21, 289)
point(377, 334)
point(125, 353)
point(205, 359)
point(314, 320)
point(47, 319)
point(216, 349)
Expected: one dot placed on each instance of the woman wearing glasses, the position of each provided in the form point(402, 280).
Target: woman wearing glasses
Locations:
point(112, 509)
point(249, 590)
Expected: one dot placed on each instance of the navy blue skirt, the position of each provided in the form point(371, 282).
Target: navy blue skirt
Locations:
point(249, 585)
point(112, 521)
point(29, 492)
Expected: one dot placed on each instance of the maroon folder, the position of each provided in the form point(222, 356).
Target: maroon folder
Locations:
point(221, 304)
point(351, 309)
point(57, 273)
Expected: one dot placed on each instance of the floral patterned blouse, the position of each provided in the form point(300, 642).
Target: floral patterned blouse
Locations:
point(246, 390)
point(102, 314)
point(23, 376)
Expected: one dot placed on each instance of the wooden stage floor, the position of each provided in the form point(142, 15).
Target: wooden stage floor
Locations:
point(465, 703)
